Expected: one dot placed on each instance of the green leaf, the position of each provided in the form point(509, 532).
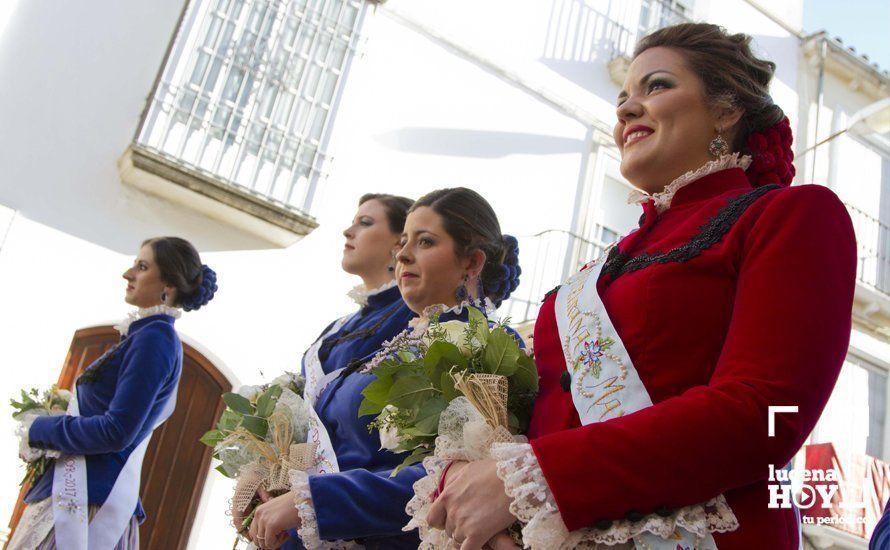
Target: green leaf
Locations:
point(427, 419)
point(449, 392)
point(410, 392)
point(255, 425)
point(369, 407)
point(478, 321)
point(228, 421)
point(526, 375)
point(440, 357)
point(212, 438)
point(416, 456)
point(501, 354)
point(378, 390)
point(238, 403)
point(265, 403)
point(222, 469)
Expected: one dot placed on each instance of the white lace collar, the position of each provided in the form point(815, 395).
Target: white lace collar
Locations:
point(144, 312)
point(663, 198)
point(421, 322)
point(360, 294)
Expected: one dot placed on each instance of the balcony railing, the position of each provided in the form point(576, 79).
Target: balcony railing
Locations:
point(654, 15)
point(873, 240)
point(547, 258)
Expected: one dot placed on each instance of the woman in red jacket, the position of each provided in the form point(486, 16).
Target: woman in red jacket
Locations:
point(659, 363)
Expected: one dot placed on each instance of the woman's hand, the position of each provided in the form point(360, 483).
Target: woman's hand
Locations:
point(473, 508)
point(238, 516)
point(272, 518)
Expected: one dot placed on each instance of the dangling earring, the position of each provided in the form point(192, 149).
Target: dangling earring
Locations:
point(163, 296)
point(392, 263)
point(461, 294)
point(480, 291)
point(718, 145)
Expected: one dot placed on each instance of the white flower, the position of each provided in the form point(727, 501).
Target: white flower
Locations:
point(64, 394)
point(284, 380)
point(250, 392)
point(389, 435)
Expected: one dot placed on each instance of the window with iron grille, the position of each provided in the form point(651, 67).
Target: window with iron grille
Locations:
point(247, 93)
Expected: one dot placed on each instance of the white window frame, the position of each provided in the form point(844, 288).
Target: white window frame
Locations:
point(258, 119)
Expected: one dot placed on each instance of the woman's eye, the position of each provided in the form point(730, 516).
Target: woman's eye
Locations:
point(426, 242)
point(658, 84)
point(366, 223)
point(402, 243)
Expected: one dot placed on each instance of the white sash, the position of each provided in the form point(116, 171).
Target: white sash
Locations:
point(73, 530)
point(604, 383)
point(316, 381)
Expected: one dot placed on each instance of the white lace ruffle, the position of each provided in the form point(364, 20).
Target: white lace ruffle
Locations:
point(418, 508)
point(26, 451)
point(34, 526)
point(124, 326)
point(663, 198)
point(360, 293)
point(308, 531)
point(534, 505)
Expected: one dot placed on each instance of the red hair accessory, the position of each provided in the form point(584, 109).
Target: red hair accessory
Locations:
point(773, 159)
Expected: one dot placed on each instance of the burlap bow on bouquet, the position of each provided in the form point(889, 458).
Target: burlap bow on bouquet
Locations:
point(260, 437)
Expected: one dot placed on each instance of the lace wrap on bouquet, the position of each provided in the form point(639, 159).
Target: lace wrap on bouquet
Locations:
point(468, 428)
point(273, 476)
point(534, 505)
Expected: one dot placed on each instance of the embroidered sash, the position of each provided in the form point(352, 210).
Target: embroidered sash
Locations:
point(73, 530)
point(316, 381)
point(604, 382)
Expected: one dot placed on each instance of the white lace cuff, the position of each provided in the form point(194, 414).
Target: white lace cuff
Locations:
point(419, 507)
point(26, 451)
point(534, 505)
point(308, 530)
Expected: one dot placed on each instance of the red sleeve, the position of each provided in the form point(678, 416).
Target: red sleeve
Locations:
point(785, 345)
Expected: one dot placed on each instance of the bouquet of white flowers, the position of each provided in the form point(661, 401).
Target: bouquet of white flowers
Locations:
point(260, 436)
point(33, 404)
point(428, 382)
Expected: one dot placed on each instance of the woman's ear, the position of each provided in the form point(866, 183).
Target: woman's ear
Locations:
point(728, 119)
point(172, 294)
point(475, 262)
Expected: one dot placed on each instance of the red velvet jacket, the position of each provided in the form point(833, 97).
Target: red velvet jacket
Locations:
point(731, 300)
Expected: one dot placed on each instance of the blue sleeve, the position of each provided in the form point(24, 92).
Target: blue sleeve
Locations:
point(880, 538)
point(146, 366)
point(360, 503)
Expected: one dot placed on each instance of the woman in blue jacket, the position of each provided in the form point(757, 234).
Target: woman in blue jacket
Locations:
point(452, 254)
point(90, 499)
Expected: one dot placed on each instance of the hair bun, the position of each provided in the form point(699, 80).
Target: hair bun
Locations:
point(773, 158)
point(507, 279)
point(205, 291)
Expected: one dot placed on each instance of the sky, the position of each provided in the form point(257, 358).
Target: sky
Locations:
point(863, 24)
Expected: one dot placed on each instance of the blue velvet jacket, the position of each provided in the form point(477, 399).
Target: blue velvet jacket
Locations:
point(118, 408)
point(345, 513)
point(362, 502)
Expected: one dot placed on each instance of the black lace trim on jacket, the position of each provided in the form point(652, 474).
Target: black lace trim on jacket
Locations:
point(619, 263)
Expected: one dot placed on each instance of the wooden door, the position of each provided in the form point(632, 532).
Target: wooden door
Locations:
point(176, 463)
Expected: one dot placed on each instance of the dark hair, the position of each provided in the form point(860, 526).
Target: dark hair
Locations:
point(471, 222)
point(180, 266)
point(396, 208)
point(733, 76)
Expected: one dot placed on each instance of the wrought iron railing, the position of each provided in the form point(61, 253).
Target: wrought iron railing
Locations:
point(546, 258)
point(654, 15)
point(873, 243)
